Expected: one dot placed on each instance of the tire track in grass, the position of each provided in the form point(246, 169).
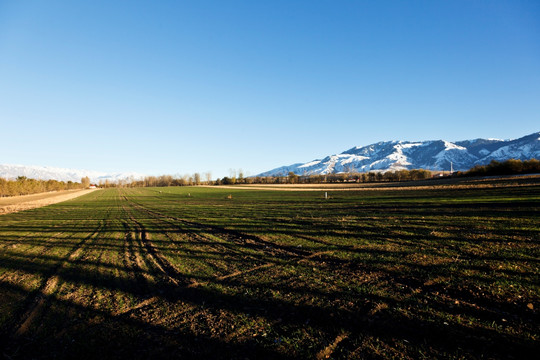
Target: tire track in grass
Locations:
point(135, 267)
point(128, 275)
point(326, 353)
point(221, 245)
point(242, 239)
point(246, 240)
point(210, 244)
point(49, 286)
point(166, 267)
point(154, 255)
point(207, 241)
point(133, 262)
point(136, 275)
point(141, 254)
point(197, 241)
point(285, 253)
point(238, 273)
point(119, 268)
point(266, 266)
point(136, 307)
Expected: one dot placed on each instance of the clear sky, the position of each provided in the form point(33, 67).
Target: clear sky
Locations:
point(175, 87)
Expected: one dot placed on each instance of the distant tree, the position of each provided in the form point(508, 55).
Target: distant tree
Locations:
point(227, 181)
point(152, 181)
point(164, 180)
point(240, 176)
point(507, 167)
point(85, 182)
point(531, 166)
point(232, 177)
point(293, 178)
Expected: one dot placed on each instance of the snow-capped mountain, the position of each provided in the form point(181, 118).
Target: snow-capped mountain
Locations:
point(60, 174)
point(431, 155)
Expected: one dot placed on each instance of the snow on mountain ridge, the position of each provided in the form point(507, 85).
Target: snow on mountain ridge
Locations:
point(433, 155)
point(11, 171)
point(450, 146)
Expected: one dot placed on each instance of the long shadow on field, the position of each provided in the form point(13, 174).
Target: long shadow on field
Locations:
point(69, 330)
point(232, 318)
point(74, 330)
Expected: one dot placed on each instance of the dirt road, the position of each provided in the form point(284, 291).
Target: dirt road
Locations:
point(25, 202)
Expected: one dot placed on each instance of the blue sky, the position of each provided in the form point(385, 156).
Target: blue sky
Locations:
point(174, 87)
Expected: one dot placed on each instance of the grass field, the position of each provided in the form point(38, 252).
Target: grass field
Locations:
point(249, 274)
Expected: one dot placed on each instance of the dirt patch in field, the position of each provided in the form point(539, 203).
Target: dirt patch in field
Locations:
point(26, 202)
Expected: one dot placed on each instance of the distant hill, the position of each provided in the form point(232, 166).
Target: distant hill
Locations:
point(60, 174)
point(431, 155)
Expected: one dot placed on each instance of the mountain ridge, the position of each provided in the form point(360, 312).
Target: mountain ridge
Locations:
point(10, 171)
point(437, 155)
point(391, 155)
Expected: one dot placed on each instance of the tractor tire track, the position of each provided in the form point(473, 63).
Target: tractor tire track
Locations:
point(153, 256)
point(195, 237)
point(133, 263)
point(220, 245)
point(158, 259)
point(245, 240)
point(285, 254)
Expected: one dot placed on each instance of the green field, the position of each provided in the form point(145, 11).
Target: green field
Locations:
point(189, 272)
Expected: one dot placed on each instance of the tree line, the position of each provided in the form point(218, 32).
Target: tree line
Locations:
point(237, 177)
point(161, 181)
point(24, 186)
point(292, 178)
point(508, 167)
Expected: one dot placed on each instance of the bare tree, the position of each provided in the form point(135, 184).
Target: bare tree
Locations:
point(85, 182)
point(232, 172)
point(240, 176)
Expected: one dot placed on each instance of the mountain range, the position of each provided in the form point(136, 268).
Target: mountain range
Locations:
point(438, 155)
point(61, 174)
point(435, 155)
